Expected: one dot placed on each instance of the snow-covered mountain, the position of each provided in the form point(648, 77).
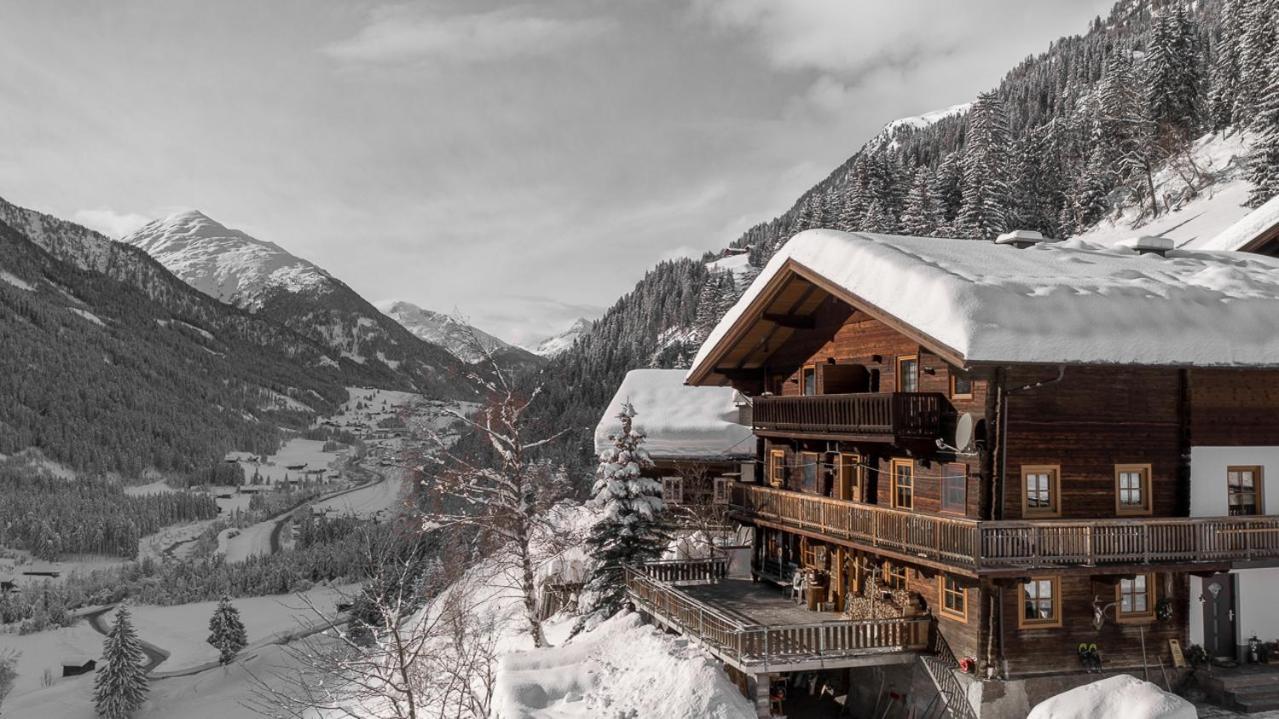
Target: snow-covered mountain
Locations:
point(267, 281)
point(561, 342)
point(224, 263)
point(444, 330)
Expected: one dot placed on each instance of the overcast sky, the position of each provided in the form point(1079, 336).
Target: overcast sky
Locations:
point(522, 163)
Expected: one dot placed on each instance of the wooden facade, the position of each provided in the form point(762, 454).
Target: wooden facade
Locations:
point(1073, 500)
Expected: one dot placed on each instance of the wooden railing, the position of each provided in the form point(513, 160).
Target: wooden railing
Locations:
point(762, 646)
point(900, 414)
point(942, 539)
point(684, 571)
point(991, 546)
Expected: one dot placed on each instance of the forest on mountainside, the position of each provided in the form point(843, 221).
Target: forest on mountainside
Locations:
point(1067, 138)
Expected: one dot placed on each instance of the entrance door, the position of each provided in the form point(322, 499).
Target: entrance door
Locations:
point(1219, 615)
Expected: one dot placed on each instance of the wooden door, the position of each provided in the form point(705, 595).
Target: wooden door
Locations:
point(1219, 615)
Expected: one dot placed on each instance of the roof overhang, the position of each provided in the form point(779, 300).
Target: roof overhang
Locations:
point(786, 304)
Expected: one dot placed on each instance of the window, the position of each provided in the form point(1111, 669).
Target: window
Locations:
point(777, 467)
point(1041, 487)
point(894, 575)
point(720, 490)
point(908, 374)
point(1040, 603)
point(673, 490)
point(808, 381)
point(809, 465)
point(961, 384)
point(850, 478)
point(1243, 490)
point(903, 473)
point(954, 488)
point(1132, 489)
point(1135, 598)
point(954, 598)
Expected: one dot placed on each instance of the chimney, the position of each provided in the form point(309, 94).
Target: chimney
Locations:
point(1021, 239)
point(1148, 244)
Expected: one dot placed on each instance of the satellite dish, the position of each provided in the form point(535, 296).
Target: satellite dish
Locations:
point(964, 433)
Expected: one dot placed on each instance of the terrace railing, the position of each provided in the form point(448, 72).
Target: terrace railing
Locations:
point(891, 414)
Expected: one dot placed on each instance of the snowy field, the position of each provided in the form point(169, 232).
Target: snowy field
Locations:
point(368, 501)
point(296, 458)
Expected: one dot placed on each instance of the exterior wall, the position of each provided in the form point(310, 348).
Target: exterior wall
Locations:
point(1232, 408)
point(1091, 420)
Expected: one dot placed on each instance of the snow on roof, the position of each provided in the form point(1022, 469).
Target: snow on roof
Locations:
point(1245, 230)
point(681, 422)
point(1060, 302)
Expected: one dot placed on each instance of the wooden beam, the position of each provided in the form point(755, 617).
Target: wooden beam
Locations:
point(795, 322)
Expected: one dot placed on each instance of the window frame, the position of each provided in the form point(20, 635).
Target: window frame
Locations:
point(1054, 491)
point(946, 508)
point(1051, 622)
point(954, 377)
point(850, 463)
point(944, 592)
point(776, 465)
point(1147, 498)
point(900, 360)
point(1122, 617)
point(891, 574)
point(720, 490)
point(804, 372)
point(1258, 488)
point(892, 472)
point(672, 481)
point(817, 472)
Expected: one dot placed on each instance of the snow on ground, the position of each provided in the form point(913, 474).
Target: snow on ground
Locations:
point(1194, 225)
point(46, 651)
point(680, 421)
point(620, 668)
point(16, 562)
point(556, 344)
point(887, 136)
point(85, 314)
point(238, 545)
point(1069, 301)
point(368, 501)
point(16, 281)
point(294, 459)
point(1117, 697)
point(141, 490)
point(739, 265)
point(1246, 229)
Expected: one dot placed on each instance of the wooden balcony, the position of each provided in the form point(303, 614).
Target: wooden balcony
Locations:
point(884, 416)
point(1010, 547)
point(777, 636)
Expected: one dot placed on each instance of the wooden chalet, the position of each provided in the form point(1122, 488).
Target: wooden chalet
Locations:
point(982, 455)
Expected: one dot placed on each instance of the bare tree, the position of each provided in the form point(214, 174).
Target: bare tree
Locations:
point(503, 491)
point(414, 646)
point(699, 517)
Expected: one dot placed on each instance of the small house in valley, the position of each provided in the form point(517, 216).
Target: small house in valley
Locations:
point(985, 464)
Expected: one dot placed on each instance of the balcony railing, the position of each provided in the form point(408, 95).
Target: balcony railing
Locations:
point(892, 414)
point(754, 647)
point(1002, 545)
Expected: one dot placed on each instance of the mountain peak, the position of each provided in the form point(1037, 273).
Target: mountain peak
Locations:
point(451, 333)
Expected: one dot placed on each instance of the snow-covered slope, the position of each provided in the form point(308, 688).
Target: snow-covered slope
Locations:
point(224, 263)
point(556, 344)
point(444, 330)
point(264, 279)
point(889, 137)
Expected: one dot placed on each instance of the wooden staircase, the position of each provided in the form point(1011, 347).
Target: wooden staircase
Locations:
point(1249, 689)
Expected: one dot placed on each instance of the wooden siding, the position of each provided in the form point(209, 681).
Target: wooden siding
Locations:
point(1234, 408)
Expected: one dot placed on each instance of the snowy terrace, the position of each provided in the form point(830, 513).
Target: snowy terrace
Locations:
point(756, 629)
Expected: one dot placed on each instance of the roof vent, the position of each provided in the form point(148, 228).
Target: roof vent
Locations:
point(1021, 239)
point(1148, 244)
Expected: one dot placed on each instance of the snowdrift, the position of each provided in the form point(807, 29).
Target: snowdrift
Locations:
point(1118, 697)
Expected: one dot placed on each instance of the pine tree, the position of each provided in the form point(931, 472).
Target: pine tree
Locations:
point(1255, 45)
point(226, 631)
point(630, 529)
point(120, 686)
point(1224, 72)
point(1172, 77)
point(1263, 163)
point(919, 215)
point(986, 196)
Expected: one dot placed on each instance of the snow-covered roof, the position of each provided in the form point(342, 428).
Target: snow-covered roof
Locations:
point(1248, 228)
point(1059, 302)
point(681, 422)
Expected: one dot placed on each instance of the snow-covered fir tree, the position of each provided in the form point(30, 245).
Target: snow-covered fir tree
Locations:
point(1172, 84)
point(1224, 71)
point(1256, 42)
point(919, 214)
point(986, 196)
point(1263, 163)
point(226, 631)
point(630, 529)
point(121, 686)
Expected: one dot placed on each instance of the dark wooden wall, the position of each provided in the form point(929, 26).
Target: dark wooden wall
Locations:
point(1234, 408)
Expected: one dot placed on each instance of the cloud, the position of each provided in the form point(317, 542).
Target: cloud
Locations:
point(409, 34)
point(109, 222)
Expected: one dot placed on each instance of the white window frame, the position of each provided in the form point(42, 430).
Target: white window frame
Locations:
point(720, 490)
point(673, 490)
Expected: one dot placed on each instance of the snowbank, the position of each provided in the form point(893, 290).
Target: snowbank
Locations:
point(620, 668)
point(1118, 697)
point(1063, 302)
point(681, 422)
point(1245, 230)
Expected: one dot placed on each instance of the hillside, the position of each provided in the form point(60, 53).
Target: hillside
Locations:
point(563, 341)
point(268, 282)
point(453, 334)
point(101, 376)
point(1146, 123)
